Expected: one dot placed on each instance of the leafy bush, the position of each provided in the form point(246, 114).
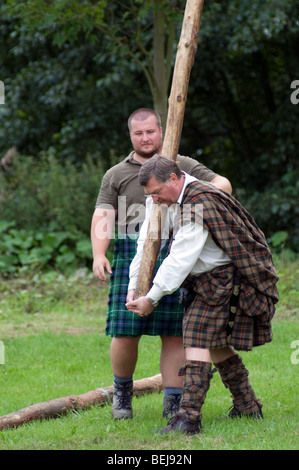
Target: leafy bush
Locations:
point(35, 193)
point(276, 211)
point(37, 250)
point(46, 211)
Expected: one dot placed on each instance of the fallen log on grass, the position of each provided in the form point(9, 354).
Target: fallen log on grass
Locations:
point(60, 406)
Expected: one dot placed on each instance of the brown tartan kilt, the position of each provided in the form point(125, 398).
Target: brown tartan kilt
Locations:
point(205, 320)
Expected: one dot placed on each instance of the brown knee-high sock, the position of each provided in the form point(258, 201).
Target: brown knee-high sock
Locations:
point(197, 376)
point(234, 376)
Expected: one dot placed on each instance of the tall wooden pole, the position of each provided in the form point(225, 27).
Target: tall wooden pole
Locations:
point(177, 102)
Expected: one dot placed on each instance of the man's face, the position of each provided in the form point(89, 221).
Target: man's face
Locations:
point(164, 192)
point(146, 137)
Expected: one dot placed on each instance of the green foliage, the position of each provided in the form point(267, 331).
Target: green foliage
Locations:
point(74, 71)
point(41, 250)
point(59, 97)
point(276, 210)
point(35, 193)
point(46, 211)
point(74, 62)
point(64, 19)
point(279, 238)
point(287, 266)
point(240, 91)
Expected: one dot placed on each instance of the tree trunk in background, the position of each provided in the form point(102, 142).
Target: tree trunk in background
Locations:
point(162, 61)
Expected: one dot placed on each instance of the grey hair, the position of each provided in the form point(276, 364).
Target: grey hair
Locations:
point(160, 167)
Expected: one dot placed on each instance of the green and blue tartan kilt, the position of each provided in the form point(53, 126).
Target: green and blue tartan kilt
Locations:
point(166, 319)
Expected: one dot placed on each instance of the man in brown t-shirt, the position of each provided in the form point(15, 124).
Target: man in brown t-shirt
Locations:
point(121, 200)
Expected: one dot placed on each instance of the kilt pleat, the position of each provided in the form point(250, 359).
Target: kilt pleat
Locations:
point(205, 321)
point(166, 319)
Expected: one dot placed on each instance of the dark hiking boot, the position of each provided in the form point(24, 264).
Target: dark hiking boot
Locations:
point(171, 405)
point(180, 423)
point(253, 410)
point(122, 401)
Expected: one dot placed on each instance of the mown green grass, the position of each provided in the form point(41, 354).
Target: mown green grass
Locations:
point(55, 346)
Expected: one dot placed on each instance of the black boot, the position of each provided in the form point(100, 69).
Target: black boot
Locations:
point(197, 376)
point(171, 404)
point(180, 423)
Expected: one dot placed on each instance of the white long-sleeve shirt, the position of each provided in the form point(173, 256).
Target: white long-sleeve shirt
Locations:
point(193, 251)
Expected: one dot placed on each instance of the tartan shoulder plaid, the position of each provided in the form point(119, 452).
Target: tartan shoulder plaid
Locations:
point(237, 234)
point(166, 319)
point(235, 231)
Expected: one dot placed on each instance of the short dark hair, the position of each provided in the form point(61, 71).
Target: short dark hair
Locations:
point(143, 113)
point(160, 167)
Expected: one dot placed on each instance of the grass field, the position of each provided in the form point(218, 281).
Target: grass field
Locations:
point(54, 342)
